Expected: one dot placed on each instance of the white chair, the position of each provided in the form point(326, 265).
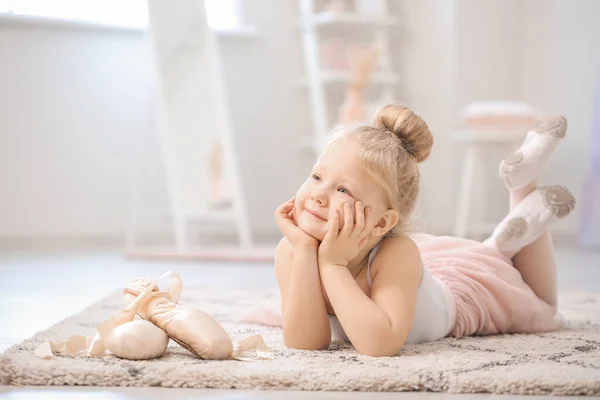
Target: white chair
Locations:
point(485, 126)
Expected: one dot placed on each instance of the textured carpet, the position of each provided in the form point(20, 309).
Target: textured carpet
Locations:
point(558, 363)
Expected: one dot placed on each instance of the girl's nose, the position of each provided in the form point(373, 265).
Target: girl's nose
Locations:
point(319, 196)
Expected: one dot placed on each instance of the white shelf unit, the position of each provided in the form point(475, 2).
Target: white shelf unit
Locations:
point(315, 22)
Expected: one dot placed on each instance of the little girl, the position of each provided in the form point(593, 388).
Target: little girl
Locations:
point(347, 269)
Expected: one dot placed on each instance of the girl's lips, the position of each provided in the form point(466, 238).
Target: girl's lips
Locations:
point(315, 214)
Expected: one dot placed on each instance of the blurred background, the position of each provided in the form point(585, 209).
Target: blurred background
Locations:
point(174, 129)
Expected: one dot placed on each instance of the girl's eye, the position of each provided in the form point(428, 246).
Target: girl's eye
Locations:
point(344, 190)
point(316, 177)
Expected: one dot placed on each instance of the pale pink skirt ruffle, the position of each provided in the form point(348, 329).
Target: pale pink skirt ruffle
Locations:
point(491, 296)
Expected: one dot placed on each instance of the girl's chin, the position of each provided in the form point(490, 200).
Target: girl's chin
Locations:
point(314, 231)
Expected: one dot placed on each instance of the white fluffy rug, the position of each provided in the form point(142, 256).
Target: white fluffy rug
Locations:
point(559, 363)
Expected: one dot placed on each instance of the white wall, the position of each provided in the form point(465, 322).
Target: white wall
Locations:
point(562, 72)
point(546, 53)
point(489, 50)
point(488, 60)
point(74, 106)
point(425, 53)
point(270, 112)
point(453, 53)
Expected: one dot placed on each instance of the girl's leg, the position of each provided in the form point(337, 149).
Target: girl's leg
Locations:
point(536, 261)
point(523, 235)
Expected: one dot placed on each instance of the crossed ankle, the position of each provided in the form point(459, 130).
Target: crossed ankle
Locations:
point(531, 218)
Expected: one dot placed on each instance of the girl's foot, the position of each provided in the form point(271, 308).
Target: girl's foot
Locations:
point(522, 167)
point(530, 218)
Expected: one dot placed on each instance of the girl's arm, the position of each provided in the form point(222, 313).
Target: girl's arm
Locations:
point(378, 326)
point(305, 320)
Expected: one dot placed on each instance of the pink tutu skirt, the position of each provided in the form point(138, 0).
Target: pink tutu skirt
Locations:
point(491, 296)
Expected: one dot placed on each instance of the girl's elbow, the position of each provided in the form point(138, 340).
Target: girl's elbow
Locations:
point(379, 351)
point(381, 347)
point(303, 343)
point(383, 352)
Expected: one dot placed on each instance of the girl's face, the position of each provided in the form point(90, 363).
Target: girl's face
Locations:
point(336, 178)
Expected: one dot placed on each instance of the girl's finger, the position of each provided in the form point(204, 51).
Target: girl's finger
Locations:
point(288, 204)
point(348, 219)
point(284, 208)
point(362, 243)
point(359, 218)
point(367, 223)
point(282, 218)
point(284, 212)
point(334, 227)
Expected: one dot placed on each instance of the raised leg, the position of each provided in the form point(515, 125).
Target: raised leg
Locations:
point(536, 261)
point(524, 235)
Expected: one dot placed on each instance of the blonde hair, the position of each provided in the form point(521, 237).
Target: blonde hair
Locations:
point(391, 150)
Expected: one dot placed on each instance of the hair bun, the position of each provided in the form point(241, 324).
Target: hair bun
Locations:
point(408, 127)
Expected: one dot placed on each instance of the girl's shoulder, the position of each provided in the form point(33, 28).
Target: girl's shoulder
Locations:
point(398, 245)
point(284, 250)
point(397, 252)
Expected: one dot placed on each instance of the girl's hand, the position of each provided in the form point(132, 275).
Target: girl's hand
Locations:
point(297, 237)
point(339, 247)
